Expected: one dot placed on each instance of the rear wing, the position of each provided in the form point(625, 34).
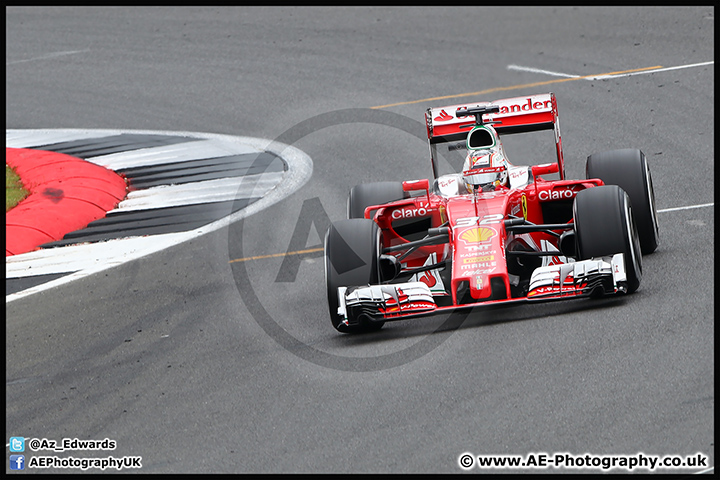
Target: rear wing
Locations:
point(511, 115)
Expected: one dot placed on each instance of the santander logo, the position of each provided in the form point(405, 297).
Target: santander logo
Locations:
point(526, 107)
point(507, 107)
point(443, 117)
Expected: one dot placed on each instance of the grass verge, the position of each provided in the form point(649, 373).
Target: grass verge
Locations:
point(14, 189)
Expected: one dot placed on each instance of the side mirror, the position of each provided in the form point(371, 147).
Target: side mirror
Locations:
point(412, 185)
point(545, 169)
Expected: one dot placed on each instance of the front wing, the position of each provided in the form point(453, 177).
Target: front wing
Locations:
point(379, 303)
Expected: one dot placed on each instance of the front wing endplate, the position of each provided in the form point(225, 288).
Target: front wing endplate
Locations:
point(579, 278)
point(379, 302)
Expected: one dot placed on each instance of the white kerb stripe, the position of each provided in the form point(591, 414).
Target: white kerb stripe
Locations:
point(219, 190)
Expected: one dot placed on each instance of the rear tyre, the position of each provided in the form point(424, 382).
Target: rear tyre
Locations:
point(604, 225)
point(628, 169)
point(352, 253)
point(366, 194)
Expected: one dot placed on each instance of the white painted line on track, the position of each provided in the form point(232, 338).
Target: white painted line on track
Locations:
point(84, 258)
point(197, 150)
point(689, 207)
point(656, 70)
point(520, 68)
point(537, 84)
point(221, 190)
point(49, 56)
point(33, 138)
point(87, 259)
point(607, 75)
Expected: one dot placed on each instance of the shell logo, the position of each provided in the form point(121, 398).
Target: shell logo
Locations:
point(477, 235)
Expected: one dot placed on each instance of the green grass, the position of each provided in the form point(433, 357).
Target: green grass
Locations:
point(14, 190)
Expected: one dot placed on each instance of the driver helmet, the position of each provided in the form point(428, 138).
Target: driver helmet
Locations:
point(485, 166)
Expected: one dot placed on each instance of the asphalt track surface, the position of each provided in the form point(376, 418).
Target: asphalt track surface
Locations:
point(216, 355)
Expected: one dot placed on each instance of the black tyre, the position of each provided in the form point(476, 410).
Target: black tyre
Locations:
point(604, 225)
point(628, 169)
point(366, 194)
point(352, 252)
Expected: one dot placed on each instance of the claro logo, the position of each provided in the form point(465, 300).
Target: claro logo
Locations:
point(420, 211)
point(546, 195)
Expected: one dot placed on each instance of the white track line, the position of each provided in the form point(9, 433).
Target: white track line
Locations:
point(520, 68)
point(195, 150)
point(48, 56)
point(644, 72)
point(219, 190)
point(689, 207)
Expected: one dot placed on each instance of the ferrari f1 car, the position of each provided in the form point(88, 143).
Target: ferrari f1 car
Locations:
point(489, 232)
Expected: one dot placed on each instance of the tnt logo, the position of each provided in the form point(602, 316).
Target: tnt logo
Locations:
point(17, 462)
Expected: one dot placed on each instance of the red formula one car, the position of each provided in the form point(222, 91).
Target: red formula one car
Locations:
point(494, 232)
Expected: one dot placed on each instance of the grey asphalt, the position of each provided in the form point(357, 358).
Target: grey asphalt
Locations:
point(200, 360)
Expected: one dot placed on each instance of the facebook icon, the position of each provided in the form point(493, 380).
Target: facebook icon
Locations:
point(17, 462)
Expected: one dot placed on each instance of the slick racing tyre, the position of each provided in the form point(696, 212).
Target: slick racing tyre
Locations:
point(629, 169)
point(366, 194)
point(604, 226)
point(352, 253)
